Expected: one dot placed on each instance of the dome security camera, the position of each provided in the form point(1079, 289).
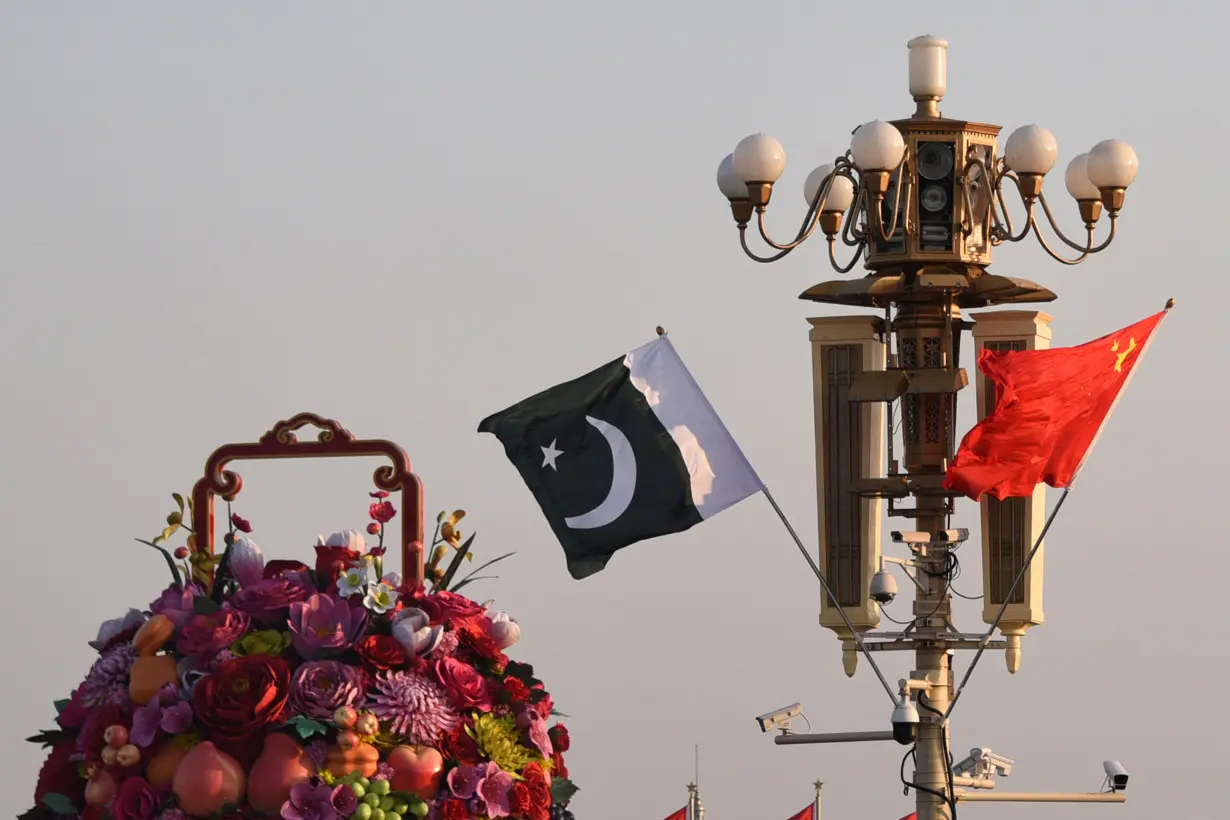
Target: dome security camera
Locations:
point(883, 588)
point(905, 722)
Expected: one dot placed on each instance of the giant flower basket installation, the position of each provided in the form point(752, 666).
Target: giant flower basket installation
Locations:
point(314, 689)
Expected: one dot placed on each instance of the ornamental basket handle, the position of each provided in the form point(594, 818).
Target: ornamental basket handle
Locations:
point(333, 440)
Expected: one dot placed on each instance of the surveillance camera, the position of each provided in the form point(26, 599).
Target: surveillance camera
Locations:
point(983, 764)
point(779, 718)
point(905, 722)
point(1116, 775)
point(883, 587)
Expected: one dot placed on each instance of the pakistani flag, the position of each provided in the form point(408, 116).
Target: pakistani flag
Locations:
point(627, 452)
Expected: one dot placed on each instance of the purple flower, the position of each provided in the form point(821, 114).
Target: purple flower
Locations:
point(112, 629)
point(493, 789)
point(316, 800)
point(317, 752)
point(267, 600)
point(325, 623)
point(176, 603)
point(535, 728)
point(319, 687)
point(415, 706)
point(166, 712)
point(463, 781)
point(108, 677)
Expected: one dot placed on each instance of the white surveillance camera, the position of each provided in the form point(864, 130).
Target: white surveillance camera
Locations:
point(1116, 775)
point(779, 718)
point(983, 764)
point(905, 722)
point(883, 587)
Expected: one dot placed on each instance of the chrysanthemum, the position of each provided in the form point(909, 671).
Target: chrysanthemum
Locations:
point(447, 647)
point(414, 706)
point(108, 676)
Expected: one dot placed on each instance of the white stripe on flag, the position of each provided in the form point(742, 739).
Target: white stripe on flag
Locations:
point(721, 475)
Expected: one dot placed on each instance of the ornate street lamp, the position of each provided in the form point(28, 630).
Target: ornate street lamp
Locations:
point(922, 202)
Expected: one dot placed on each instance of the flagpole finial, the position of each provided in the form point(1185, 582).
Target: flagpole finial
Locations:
point(1169, 305)
point(660, 330)
point(818, 784)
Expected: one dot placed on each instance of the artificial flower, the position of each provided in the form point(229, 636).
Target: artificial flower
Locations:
point(382, 512)
point(379, 494)
point(559, 737)
point(335, 554)
point(411, 629)
point(380, 598)
point(117, 630)
point(539, 787)
point(453, 809)
point(493, 790)
point(519, 800)
point(176, 602)
point(317, 800)
point(535, 728)
point(448, 528)
point(515, 690)
point(207, 634)
point(246, 561)
point(353, 580)
point(240, 523)
point(108, 677)
point(448, 607)
point(458, 744)
point(279, 567)
point(497, 739)
point(373, 528)
point(261, 642)
point(268, 599)
point(318, 688)
point(240, 700)
point(415, 706)
point(504, 630)
point(136, 800)
point(380, 653)
point(324, 623)
point(467, 688)
point(92, 739)
point(59, 775)
point(165, 711)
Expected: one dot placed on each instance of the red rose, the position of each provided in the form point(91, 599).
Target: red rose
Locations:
point(539, 789)
point(382, 511)
point(136, 800)
point(466, 688)
point(519, 800)
point(559, 737)
point(459, 746)
point(516, 690)
point(241, 698)
point(558, 767)
point(207, 635)
point(381, 653)
point(449, 607)
point(275, 568)
point(59, 775)
point(454, 809)
point(331, 562)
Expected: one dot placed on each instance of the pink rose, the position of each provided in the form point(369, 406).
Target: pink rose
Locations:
point(136, 800)
point(447, 607)
point(465, 686)
point(269, 599)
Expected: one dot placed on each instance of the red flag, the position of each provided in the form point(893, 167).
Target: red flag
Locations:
point(1050, 406)
point(682, 814)
point(911, 816)
point(808, 813)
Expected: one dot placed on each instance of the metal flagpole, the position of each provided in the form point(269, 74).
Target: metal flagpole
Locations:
point(1051, 518)
point(858, 640)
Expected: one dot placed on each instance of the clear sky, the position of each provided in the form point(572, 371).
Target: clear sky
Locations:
point(410, 215)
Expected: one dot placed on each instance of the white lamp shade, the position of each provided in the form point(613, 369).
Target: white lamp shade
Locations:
point(877, 146)
point(928, 66)
point(728, 181)
point(759, 159)
point(1076, 178)
point(1112, 164)
point(841, 190)
point(1031, 150)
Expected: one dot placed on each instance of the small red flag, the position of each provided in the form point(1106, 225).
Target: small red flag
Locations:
point(1050, 406)
point(682, 814)
point(911, 816)
point(808, 813)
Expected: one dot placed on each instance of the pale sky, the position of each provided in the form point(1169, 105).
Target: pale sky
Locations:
point(407, 216)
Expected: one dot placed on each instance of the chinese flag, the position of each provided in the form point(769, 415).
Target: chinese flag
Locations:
point(1050, 405)
point(808, 813)
point(682, 814)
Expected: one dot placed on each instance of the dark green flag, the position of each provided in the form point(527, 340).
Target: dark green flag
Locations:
point(629, 451)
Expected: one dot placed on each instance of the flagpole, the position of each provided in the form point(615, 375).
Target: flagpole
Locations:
point(816, 813)
point(1051, 518)
point(858, 640)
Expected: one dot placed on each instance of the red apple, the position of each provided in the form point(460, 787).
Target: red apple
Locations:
point(417, 770)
